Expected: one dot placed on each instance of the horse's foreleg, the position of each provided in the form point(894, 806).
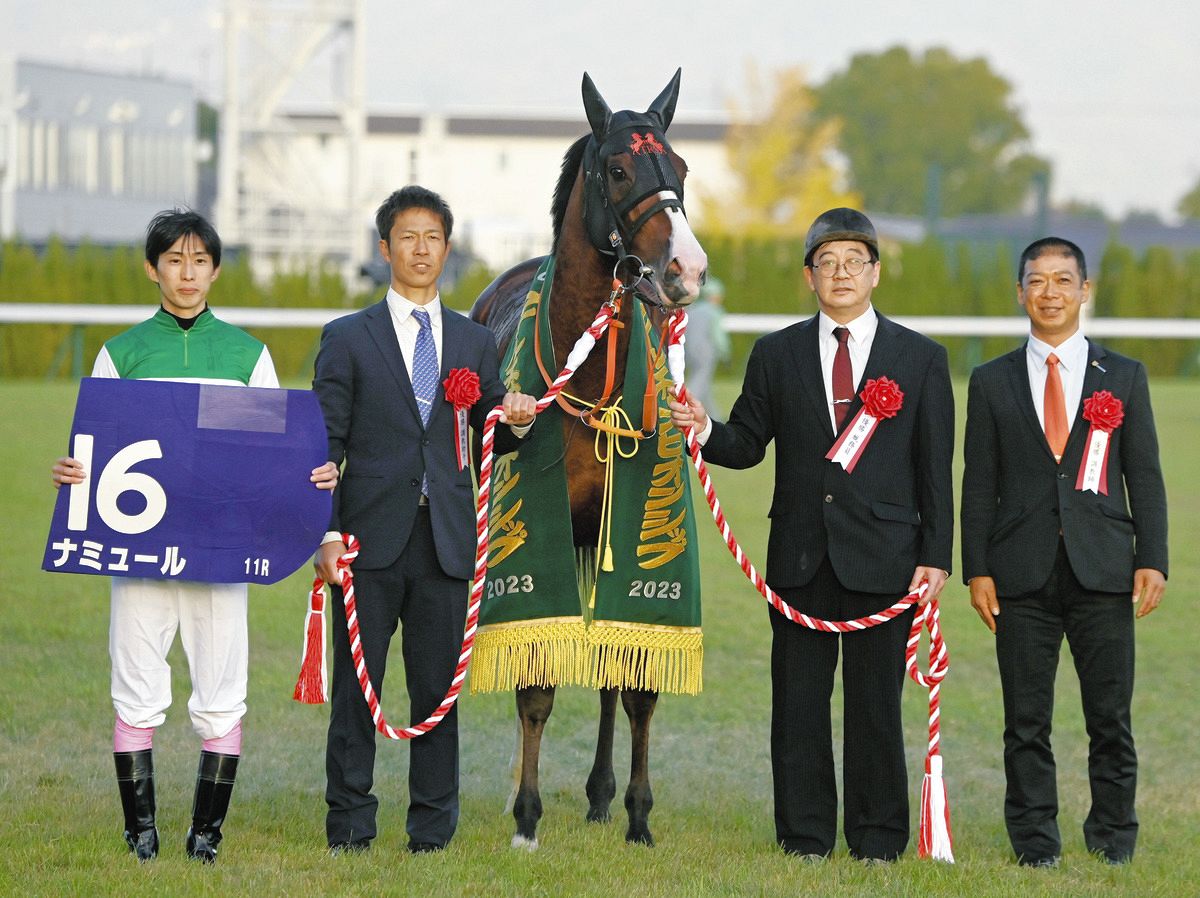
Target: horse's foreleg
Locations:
point(639, 706)
point(601, 784)
point(534, 704)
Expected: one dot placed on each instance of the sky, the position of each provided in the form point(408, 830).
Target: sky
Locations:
point(1110, 91)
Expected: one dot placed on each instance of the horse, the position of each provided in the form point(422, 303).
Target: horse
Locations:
point(617, 212)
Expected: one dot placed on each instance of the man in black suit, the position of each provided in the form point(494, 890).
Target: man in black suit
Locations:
point(843, 543)
point(379, 377)
point(1060, 550)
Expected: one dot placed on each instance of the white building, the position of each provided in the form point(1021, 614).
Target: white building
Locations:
point(496, 170)
point(91, 155)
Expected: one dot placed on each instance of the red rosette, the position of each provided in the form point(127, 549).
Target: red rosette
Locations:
point(462, 391)
point(1104, 411)
point(882, 398)
point(462, 388)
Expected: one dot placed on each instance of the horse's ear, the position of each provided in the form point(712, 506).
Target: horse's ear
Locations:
point(598, 114)
point(664, 105)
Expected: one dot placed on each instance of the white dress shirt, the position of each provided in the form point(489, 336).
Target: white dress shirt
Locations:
point(1072, 365)
point(407, 327)
point(862, 336)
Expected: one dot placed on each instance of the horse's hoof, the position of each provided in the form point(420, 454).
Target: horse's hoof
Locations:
point(599, 815)
point(525, 844)
point(640, 838)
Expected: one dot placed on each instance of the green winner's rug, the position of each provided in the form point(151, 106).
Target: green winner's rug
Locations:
point(626, 614)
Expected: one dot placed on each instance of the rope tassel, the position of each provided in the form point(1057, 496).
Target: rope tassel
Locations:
point(312, 686)
point(935, 839)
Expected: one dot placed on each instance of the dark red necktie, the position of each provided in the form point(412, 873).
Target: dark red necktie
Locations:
point(843, 379)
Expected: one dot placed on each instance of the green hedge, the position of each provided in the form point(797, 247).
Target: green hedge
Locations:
point(933, 278)
point(761, 276)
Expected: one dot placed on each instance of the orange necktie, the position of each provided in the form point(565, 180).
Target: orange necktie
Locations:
point(1054, 409)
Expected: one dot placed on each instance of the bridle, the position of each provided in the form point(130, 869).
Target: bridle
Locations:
point(606, 219)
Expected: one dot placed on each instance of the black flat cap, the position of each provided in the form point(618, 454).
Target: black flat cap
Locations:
point(839, 224)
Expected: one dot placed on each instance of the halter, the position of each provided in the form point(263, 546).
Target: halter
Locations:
point(607, 221)
point(643, 136)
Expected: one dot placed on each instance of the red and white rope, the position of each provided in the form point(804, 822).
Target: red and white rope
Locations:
point(583, 347)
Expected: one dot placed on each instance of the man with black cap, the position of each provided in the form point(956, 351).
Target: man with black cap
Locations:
point(862, 416)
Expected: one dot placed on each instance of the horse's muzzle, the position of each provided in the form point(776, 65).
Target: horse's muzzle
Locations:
point(681, 284)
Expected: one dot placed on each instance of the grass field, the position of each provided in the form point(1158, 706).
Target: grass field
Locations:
point(60, 820)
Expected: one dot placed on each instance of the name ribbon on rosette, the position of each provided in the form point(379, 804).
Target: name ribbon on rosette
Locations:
point(882, 398)
point(462, 391)
point(1104, 412)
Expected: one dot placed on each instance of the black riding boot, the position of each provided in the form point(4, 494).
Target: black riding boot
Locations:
point(214, 785)
point(135, 779)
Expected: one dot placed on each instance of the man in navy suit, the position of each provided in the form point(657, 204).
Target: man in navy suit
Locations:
point(379, 376)
point(1052, 550)
point(843, 543)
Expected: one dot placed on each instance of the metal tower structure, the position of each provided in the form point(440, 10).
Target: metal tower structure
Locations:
point(298, 52)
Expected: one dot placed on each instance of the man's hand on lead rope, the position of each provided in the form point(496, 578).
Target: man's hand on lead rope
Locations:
point(690, 415)
point(936, 577)
point(326, 561)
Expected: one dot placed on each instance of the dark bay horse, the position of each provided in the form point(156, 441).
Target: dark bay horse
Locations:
point(617, 212)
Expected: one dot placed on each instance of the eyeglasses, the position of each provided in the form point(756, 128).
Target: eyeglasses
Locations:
point(853, 266)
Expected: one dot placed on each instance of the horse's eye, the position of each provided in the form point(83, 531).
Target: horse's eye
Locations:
point(617, 173)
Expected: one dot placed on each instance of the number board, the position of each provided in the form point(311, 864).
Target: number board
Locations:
point(191, 482)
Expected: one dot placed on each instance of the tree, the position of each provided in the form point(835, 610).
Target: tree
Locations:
point(1189, 203)
point(1082, 209)
point(783, 159)
point(932, 125)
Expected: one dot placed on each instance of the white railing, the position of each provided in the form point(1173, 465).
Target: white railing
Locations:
point(933, 325)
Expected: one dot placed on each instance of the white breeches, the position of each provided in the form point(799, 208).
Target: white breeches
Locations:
point(211, 621)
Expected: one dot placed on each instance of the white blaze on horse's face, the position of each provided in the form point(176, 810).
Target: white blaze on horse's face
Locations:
point(686, 261)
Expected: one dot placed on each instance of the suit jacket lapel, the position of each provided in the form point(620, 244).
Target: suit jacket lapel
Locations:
point(1093, 377)
point(454, 328)
point(1019, 384)
point(383, 332)
point(881, 361)
point(807, 362)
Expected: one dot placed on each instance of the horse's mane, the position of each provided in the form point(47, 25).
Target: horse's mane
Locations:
point(566, 183)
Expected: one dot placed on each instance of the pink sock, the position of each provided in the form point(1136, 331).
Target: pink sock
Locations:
point(229, 744)
point(127, 738)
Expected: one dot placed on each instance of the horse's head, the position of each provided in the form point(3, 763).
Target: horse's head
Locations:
point(633, 196)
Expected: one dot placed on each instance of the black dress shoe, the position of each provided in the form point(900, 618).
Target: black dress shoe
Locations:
point(1046, 863)
point(424, 847)
point(357, 846)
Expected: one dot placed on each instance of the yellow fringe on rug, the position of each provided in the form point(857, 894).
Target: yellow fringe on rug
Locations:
point(547, 652)
point(661, 659)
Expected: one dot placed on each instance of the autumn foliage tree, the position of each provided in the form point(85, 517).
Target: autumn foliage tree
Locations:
point(783, 159)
